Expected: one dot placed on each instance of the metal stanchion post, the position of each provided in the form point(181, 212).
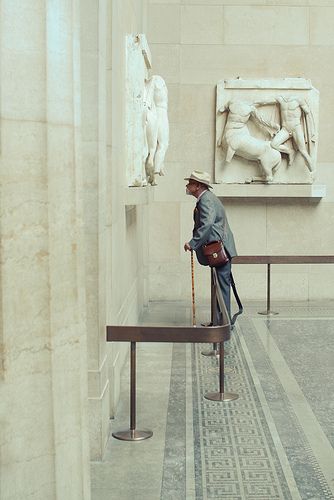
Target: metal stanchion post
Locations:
point(221, 395)
point(214, 351)
point(132, 434)
point(212, 303)
point(268, 312)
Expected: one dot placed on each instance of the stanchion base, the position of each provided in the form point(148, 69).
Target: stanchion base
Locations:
point(211, 353)
point(132, 435)
point(268, 313)
point(221, 396)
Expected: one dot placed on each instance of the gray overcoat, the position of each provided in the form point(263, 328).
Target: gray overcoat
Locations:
point(210, 224)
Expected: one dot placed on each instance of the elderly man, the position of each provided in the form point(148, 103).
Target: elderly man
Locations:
point(210, 224)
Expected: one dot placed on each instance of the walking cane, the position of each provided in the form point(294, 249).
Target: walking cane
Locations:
point(193, 287)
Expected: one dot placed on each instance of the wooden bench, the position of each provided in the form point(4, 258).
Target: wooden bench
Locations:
point(280, 259)
point(192, 334)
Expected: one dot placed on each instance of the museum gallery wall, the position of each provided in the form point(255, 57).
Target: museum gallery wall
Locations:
point(221, 61)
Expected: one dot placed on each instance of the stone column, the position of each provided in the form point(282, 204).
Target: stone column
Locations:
point(96, 25)
point(43, 379)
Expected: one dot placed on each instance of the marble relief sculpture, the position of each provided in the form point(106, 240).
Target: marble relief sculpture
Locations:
point(297, 125)
point(147, 127)
point(237, 140)
point(266, 131)
point(156, 127)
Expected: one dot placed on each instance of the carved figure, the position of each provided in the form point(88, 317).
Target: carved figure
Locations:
point(295, 115)
point(237, 139)
point(156, 127)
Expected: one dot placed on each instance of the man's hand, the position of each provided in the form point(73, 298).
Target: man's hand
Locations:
point(187, 247)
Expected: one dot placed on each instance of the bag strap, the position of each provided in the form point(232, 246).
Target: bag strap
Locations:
point(237, 298)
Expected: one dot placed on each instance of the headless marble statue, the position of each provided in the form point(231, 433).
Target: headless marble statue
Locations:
point(156, 127)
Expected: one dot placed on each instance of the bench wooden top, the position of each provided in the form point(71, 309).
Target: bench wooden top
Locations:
point(283, 259)
point(151, 333)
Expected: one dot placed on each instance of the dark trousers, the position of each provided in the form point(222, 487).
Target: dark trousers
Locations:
point(224, 278)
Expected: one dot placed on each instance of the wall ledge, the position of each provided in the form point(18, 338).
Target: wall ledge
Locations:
point(312, 191)
point(136, 195)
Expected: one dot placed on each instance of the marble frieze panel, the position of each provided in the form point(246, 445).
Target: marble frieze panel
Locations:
point(147, 127)
point(266, 131)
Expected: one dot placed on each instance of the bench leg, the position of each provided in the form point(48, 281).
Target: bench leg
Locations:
point(132, 434)
point(215, 348)
point(221, 395)
point(268, 312)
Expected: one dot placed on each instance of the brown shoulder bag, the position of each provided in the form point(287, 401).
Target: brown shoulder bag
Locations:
point(215, 253)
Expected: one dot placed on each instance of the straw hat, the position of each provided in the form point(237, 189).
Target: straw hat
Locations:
point(202, 177)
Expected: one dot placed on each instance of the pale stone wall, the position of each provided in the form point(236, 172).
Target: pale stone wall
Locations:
point(72, 252)
point(43, 382)
point(194, 44)
point(113, 231)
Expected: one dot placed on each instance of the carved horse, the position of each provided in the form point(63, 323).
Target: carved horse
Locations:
point(251, 148)
point(237, 140)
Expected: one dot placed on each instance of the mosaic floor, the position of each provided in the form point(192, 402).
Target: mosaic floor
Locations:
point(274, 442)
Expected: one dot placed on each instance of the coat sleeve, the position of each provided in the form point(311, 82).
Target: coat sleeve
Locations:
point(207, 215)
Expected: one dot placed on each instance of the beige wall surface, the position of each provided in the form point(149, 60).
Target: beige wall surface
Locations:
point(73, 253)
point(194, 44)
point(44, 448)
point(113, 231)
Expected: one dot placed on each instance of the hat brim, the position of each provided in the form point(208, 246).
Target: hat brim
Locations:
point(197, 180)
